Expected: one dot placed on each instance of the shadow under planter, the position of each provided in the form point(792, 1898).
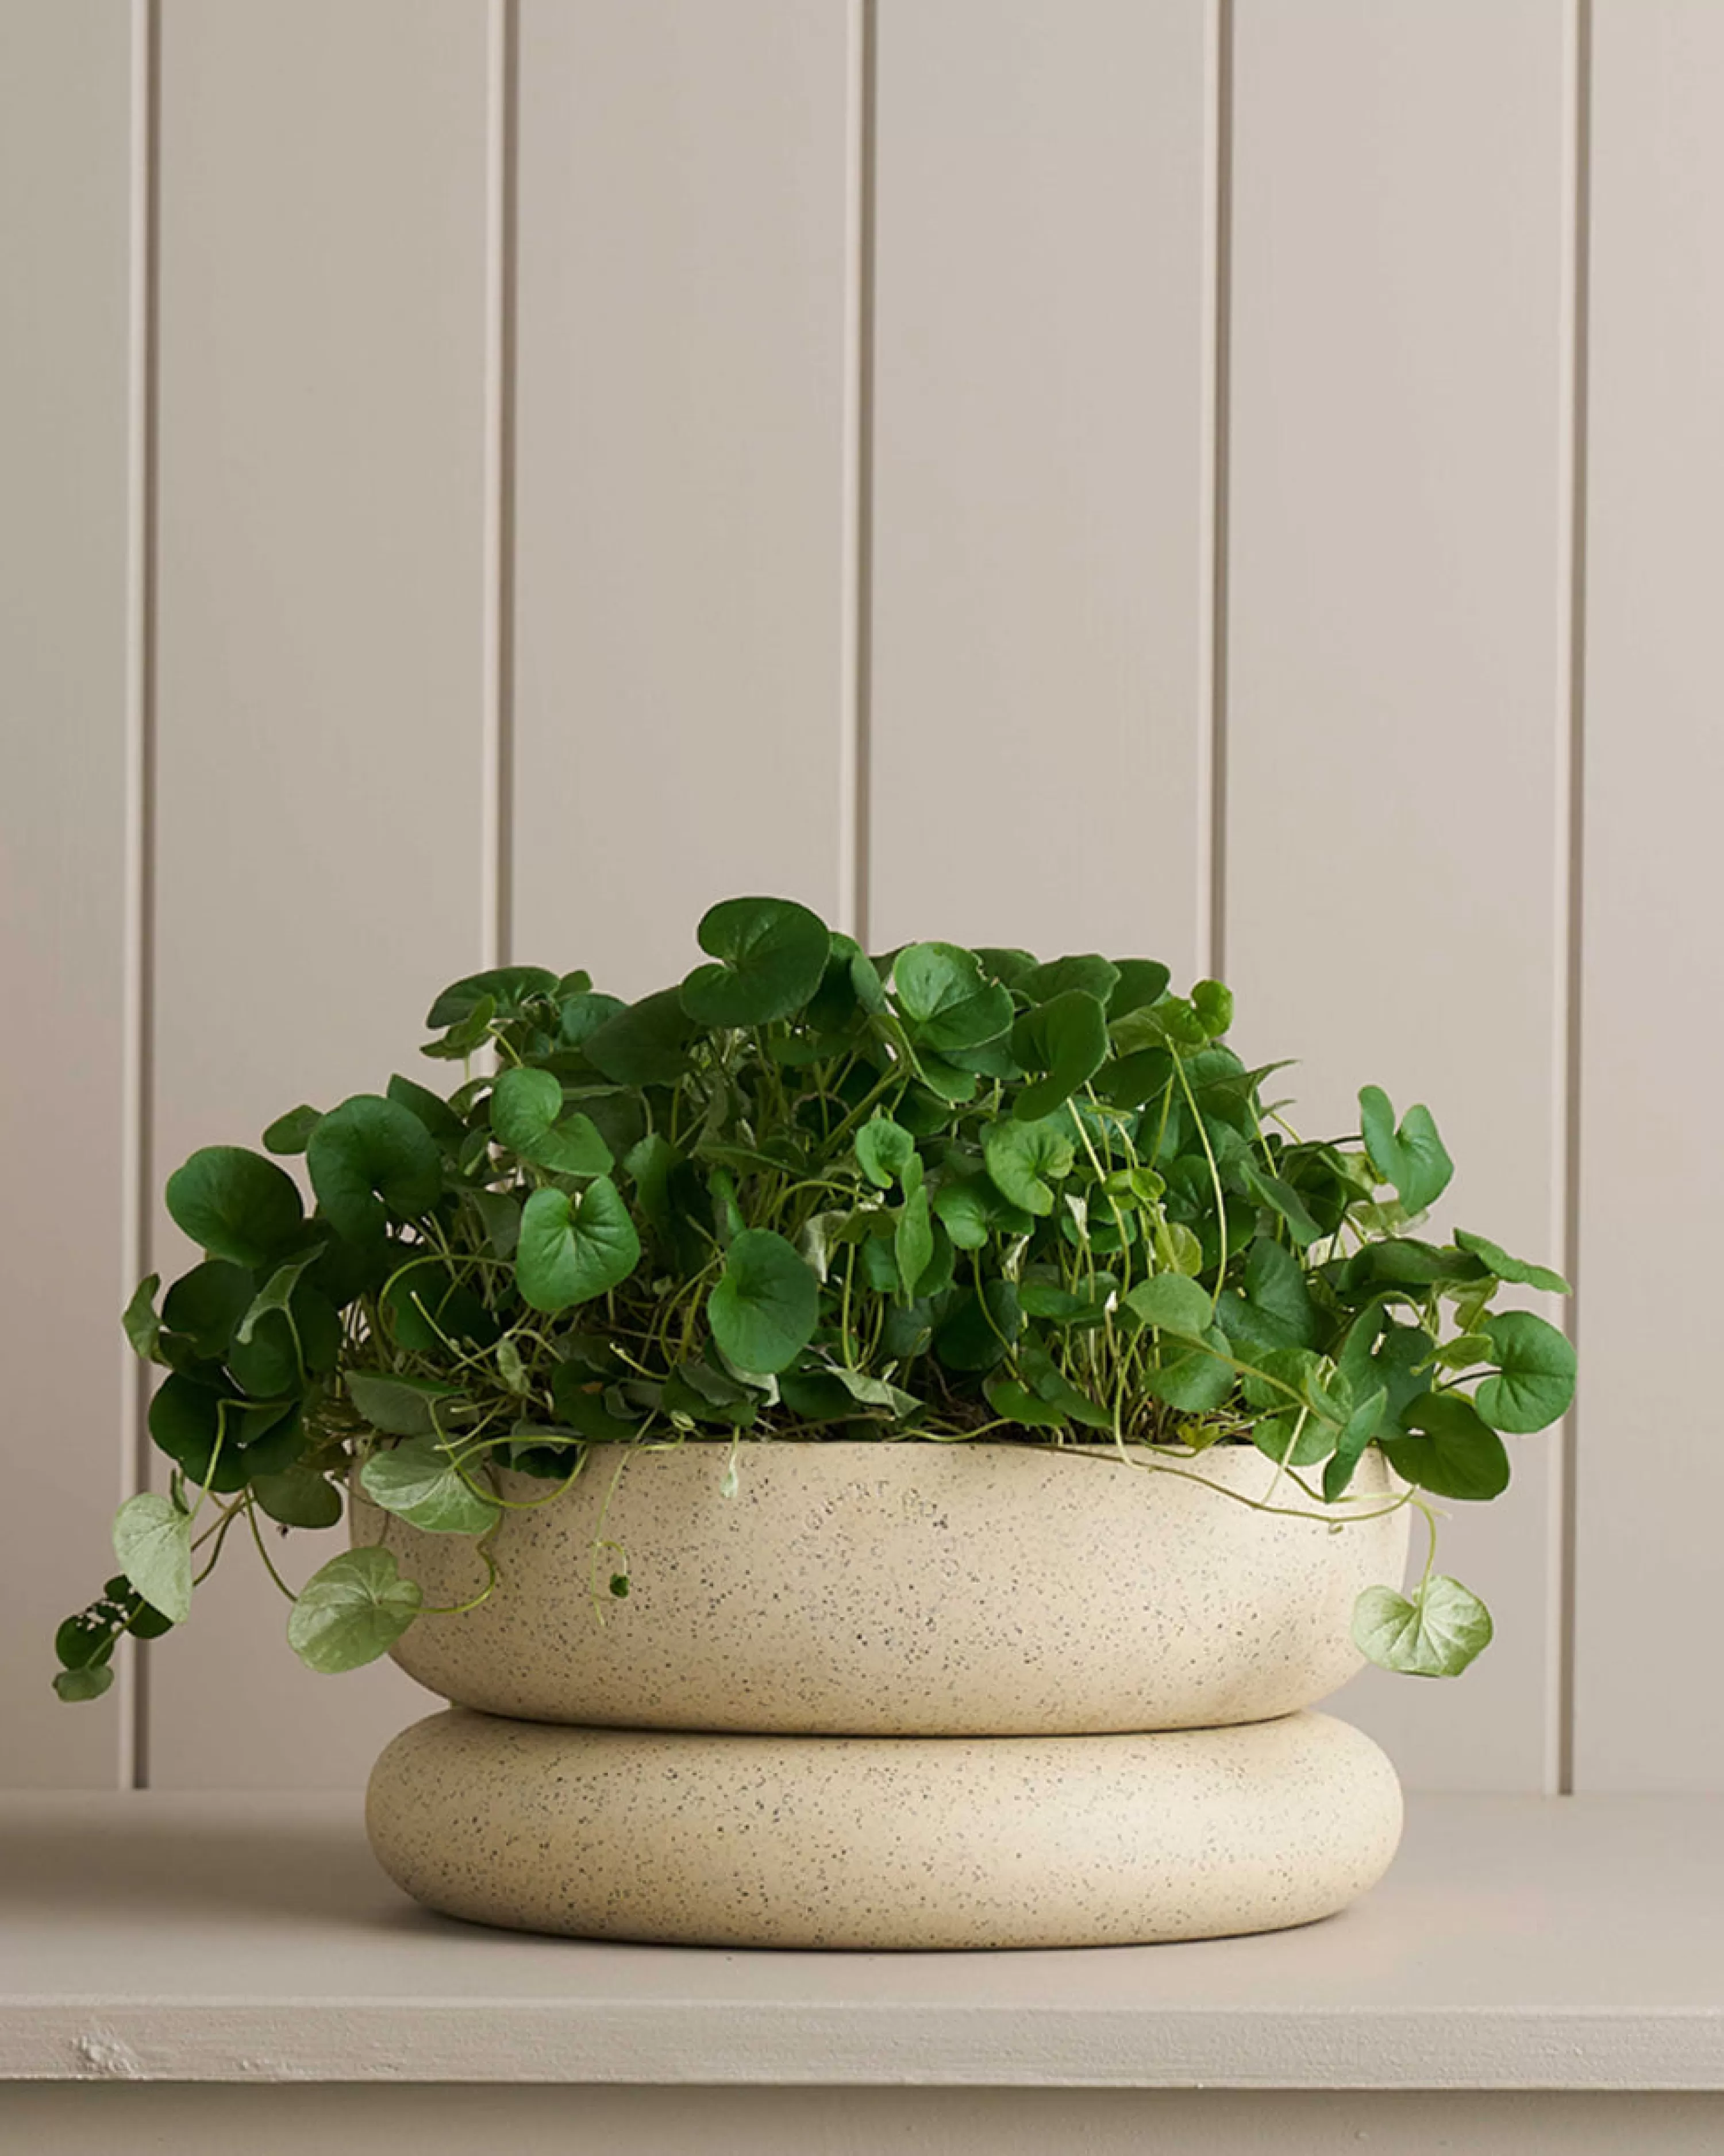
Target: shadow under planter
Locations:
point(897, 1696)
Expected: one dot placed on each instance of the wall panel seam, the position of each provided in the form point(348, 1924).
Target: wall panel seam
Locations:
point(501, 262)
point(1217, 367)
point(138, 1057)
point(856, 637)
point(1571, 855)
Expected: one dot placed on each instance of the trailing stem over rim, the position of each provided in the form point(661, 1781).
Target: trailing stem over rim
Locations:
point(940, 1194)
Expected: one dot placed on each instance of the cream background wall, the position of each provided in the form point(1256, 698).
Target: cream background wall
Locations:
point(484, 478)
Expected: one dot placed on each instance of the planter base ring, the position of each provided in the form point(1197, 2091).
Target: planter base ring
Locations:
point(883, 1843)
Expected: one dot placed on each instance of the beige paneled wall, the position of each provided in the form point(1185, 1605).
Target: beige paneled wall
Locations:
point(685, 430)
point(1043, 453)
point(321, 703)
point(1651, 1482)
point(70, 586)
point(1397, 714)
point(1231, 478)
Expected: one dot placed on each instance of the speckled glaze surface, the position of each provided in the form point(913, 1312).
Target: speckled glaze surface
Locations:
point(904, 1590)
point(884, 1843)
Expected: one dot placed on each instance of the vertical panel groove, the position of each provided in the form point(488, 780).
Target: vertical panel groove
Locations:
point(1211, 896)
point(1572, 810)
point(137, 1077)
point(498, 736)
point(858, 633)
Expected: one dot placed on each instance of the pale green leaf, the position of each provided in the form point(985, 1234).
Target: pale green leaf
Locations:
point(153, 1540)
point(352, 1611)
point(419, 1482)
point(1434, 1632)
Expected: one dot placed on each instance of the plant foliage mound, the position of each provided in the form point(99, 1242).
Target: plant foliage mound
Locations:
point(808, 1195)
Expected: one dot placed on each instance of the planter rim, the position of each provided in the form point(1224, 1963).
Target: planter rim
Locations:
point(849, 1588)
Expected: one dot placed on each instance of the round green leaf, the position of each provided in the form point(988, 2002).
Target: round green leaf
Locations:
point(1129, 1080)
point(235, 1204)
point(1193, 1382)
point(291, 1133)
point(369, 1158)
point(1275, 1309)
point(771, 954)
point(1519, 1272)
point(1454, 1454)
point(299, 1497)
point(419, 1483)
point(1413, 1159)
point(1177, 1249)
point(763, 1311)
point(644, 1045)
point(883, 1151)
point(1018, 1405)
point(138, 1320)
point(274, 1437)
point(278, 1356)
point(1169, 1022)
point(573, 1248)
point(469, 1033)
point(1005, 962)
point(444, 1126)
point(1067, 1038)
point(352, 1611)
point(1536, 1379)
point(1025, 1161)
point(948, 998)
point(580, 1016)
point(90, 1682)
point(1213, 1001)
point(1173, 1304)
point(526, 1115)
point(509, 988)
point(87, 1636)
point(1434, 1632)
point(267, 1366)
point(1088, 973)
point(207, 1304)
point(186, 1415)
point(1142, 981)
point(153, 1540)
point(398, 1406)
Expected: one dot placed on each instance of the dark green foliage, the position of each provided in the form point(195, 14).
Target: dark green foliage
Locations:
point(806, 1193)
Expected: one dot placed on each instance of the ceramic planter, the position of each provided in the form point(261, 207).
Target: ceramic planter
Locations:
point(940, 1695)
point(885, 1843)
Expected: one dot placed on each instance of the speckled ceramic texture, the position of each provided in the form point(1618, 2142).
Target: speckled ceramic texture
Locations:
point(904, 1590)
point(884, 1843)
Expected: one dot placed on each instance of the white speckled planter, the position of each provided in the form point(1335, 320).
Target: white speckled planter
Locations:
point(908, 1589)
point(884, 1843)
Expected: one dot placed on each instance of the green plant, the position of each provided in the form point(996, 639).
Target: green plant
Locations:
point(943, 1195)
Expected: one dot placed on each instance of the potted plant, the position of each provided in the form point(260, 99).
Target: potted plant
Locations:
point(946, 1370)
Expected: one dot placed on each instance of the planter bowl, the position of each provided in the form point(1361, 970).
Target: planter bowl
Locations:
point(904, 1590)
point(884, 1843)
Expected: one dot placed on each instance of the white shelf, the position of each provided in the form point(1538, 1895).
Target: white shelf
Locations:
point(1518, 1943)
